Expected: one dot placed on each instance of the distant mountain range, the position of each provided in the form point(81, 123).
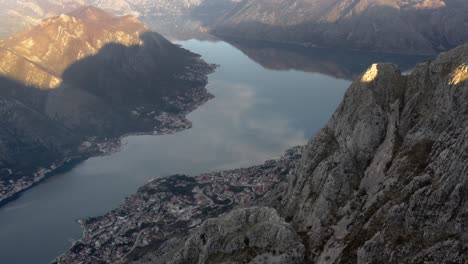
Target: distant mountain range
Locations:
point(401, 26)
point(75, 83)
point(396, 26)
point(17, 15)
point(179, 17)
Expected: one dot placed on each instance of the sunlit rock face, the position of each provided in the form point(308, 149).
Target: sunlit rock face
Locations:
point(18, 15)
point(38, 57)
point(385, 180)
point(397, 26)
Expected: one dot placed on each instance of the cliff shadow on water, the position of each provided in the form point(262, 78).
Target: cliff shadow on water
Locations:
point(120, 90)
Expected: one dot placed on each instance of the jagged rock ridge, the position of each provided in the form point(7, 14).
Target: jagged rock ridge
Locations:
point(384, 182)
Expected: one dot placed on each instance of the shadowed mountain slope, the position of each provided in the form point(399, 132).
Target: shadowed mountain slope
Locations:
point(39, 56)
point(111, 81)
point(400, 26)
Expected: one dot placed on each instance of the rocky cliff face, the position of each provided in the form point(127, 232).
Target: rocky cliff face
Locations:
point(72, 86)
point(252, 235)
point(384, 182)
point(401, 26)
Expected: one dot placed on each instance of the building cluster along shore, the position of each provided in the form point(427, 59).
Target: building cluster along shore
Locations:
point(163, 123)
point(170, 207)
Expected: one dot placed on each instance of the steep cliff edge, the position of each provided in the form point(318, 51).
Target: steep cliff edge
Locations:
point(384, 182)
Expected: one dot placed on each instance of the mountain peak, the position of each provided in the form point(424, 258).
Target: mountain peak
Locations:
point(91, 13)
point(26, 58)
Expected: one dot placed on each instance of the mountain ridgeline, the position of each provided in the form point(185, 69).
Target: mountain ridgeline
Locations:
point(383, 182)
point(397, 26)
point(179, 18)
point(74, 84)
point(40, 56)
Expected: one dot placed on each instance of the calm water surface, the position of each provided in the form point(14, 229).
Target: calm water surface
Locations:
point(257, 114)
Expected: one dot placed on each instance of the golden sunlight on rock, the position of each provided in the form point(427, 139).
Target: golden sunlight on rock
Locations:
point(431, 4)
point(460, 75)
point(40, 56)
point(370, 74)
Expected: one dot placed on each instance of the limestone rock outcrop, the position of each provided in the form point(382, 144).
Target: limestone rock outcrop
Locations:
point(385, 181)
point(253, 235)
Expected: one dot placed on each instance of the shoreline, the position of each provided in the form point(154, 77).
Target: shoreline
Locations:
point(171, 123)
point(307, 45)
point(68, 165)
point(176, 205)
point(111, 145)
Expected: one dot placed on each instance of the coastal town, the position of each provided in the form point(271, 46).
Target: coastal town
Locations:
point(170, 207)
point(193, 78)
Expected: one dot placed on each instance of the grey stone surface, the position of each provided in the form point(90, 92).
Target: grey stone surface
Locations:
point(385, 181)
point(253, 235)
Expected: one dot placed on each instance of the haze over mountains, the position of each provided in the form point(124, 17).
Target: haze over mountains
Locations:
point(79, 80)
point(397, 26)
point(169, 17)
point(19, 15)
point(176, 19)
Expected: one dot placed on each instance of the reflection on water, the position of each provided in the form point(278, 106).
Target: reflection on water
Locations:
point(339, 63)
point(256, 115)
